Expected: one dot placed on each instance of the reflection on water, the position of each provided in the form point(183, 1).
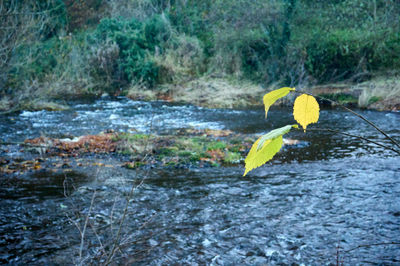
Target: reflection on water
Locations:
point(331, 190)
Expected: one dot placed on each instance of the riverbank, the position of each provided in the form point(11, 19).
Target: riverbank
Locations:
point(382, 93)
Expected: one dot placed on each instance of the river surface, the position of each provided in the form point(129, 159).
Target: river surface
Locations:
point(314, 204)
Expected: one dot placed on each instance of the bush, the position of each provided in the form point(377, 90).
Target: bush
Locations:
point(342, 54)
point(182, 60)
point(137, 41)
point(147, 42)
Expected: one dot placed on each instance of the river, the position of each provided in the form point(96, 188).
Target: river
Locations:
point(314, 204)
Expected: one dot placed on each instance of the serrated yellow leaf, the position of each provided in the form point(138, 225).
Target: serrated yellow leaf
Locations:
point(256, 158)
point(306, 110)
point(271, 97)
point(274, 134)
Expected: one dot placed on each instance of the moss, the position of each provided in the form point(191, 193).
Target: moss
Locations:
point(167, 151)
point(171, 163)
point(216, 145)
point(374, 99)
point(185, 143)
point(134, 165)
point(185, 153)
point(205, 155)
point(130, 137)
point(125, 152)
point(235, 141)
point(232, 157)
point(134, 137)
point(235, 148)
point(342, 98)
point(194, 157)
point(172, 150)
point(215, 164)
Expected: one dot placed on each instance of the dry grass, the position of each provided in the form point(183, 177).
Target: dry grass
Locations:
point(381, 93)
point(219, 93)
point(206, 92)
point(139, 91)
point(5, 104)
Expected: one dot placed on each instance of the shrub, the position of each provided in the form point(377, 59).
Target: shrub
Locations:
point(344, 53)
point(136, 42)
point(182, 59)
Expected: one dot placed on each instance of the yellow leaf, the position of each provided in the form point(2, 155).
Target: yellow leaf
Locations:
point(256, 158)
point(274, 134)
point(306, 110)
point(271, 97)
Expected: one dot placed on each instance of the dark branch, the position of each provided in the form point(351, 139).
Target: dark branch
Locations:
point(356, 114)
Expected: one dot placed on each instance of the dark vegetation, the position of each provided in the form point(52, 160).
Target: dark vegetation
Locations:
point(63, 48)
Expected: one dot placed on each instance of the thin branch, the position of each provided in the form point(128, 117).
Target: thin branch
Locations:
point(111, 217)
point(115, 244)
point(124, 242)
point(133, 188)
point(354, 136)
point(370, 245)
point(98, 238)
point(356, 114)
point(30, 13)
point(85, 226)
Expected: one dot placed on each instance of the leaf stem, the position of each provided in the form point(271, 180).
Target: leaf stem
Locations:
point(354, 136)
point(356, 114)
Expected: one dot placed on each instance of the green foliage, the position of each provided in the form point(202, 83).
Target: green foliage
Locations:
point(131, 137)
point(232, 157)
point(217, 145)
point(136, 41)
point(47, 54)
point(57, 58)
point(83, 14)
point(164, 151)
point(341, 98)
point(374, 99)
point(85, 44)
point(348, 37)
point(344, 53)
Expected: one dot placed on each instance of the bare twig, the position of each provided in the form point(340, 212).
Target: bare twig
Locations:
point(111, 216)
point(131, 192)
point(370, 245)
point(116, 240)
point(124, 241)
point(356, 114)
point(85, 226)
point(97, 236)
point(355, 136)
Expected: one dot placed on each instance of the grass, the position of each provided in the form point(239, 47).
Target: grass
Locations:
point(177, 150)
point(216, 145)
point(226, 92)
point(233, 158)
point(382, 93)
point(374, 99)
point(342, 98)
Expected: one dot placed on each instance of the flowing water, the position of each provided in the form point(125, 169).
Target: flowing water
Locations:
point(312, 205)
